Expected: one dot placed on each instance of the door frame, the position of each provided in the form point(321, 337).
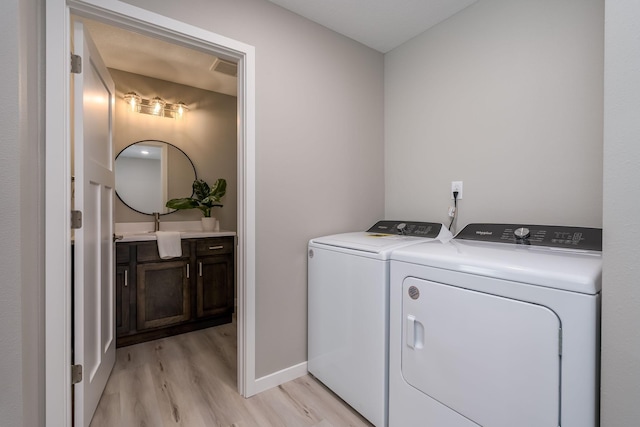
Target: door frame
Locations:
point(58, 343)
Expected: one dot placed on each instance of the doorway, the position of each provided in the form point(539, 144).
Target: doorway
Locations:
point(57, 197)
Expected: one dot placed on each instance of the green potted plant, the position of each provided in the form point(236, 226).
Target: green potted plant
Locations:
point(205, 198)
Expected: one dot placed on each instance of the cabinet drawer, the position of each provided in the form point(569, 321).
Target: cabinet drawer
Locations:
point(215, 246)
point(149, 251)
point(122, 253)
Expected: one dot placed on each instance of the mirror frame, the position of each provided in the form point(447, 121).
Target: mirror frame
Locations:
point(195, 173)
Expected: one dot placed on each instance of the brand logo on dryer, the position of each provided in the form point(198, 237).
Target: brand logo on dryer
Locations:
point(484, 233)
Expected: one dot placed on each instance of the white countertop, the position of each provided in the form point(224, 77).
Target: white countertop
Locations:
point(143, 231)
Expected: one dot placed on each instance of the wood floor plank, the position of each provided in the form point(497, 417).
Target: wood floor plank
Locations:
point(323, 401)
point(108, 412)
point(174, 405)
point(189, 380)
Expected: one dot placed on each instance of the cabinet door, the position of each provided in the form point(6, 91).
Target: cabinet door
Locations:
point(163, 294)
point(215, 285)
point(122, 299)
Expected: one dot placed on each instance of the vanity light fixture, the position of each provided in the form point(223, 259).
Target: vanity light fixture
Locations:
point(156, 106)
point(179, 110)
point(134, 101)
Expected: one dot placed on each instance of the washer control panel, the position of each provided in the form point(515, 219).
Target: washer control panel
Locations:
point(407, 228)
point(536, 235)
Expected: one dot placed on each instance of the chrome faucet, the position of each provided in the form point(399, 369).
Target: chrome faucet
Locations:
point(156, 221)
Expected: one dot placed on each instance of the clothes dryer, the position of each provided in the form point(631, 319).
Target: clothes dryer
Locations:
point(348, 306)
point(498, 327)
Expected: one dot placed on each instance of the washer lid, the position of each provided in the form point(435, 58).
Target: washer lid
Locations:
point(374, 243)
point(377, 244)
point(570, 270)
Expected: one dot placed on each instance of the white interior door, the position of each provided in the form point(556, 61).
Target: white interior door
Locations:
point(494, 360)
point(94, 320)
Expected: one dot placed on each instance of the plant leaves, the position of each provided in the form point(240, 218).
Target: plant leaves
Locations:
point(183, 203)
point(200, 189)
point(205, 197)
point(218, 189)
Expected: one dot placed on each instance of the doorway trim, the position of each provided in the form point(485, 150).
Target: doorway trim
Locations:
point(58, 182)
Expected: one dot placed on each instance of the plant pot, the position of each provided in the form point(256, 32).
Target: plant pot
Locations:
point(208, 223)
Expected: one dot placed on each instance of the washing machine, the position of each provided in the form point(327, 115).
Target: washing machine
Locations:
point(348, 310)
point(497, 328)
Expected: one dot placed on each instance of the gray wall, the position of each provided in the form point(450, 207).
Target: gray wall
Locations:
point(294, 75)
point(10, 312)
point(507, 97)
point(207, 134)
point(621, 285)
point(319, 151)
point(21, 217)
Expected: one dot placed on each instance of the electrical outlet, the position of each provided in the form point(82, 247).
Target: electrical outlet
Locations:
point(456, 186)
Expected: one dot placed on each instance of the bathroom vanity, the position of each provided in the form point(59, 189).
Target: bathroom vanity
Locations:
point(158, 297)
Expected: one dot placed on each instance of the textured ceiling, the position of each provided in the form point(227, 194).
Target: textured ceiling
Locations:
point(379, 24)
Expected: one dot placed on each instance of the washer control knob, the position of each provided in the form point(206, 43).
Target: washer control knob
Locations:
point(522, 233)
point(401, 227)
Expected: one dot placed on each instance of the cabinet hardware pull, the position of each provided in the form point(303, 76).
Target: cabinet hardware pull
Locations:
point(126, 278)
point(213, 248)
point(187, 271)
point(200, 268)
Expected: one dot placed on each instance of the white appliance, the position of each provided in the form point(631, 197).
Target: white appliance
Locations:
point(348, 306)
point(498, 328)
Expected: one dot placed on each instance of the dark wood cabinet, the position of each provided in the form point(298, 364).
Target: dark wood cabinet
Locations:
point(215, 293)
point(156, 298)
point(122, 299)
point(163, 294)
point(214, 284)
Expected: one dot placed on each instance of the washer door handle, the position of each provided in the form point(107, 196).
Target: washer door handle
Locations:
point(415, 333)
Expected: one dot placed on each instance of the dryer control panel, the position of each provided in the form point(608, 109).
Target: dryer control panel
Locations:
point(407, 228)
point(536, 235)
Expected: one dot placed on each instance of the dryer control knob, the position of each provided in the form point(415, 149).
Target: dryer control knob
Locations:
point(522, 233)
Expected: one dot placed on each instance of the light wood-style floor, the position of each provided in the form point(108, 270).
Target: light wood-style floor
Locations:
point(190, 380)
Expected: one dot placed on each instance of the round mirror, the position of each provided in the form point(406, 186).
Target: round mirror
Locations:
point(148, 173)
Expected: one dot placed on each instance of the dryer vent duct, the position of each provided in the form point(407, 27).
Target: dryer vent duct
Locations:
point(225, 67)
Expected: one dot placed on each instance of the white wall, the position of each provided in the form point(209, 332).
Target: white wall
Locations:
point(21, 217)
point(507, 97)
point(621, 285)
point(319, 151)
point(141, 176)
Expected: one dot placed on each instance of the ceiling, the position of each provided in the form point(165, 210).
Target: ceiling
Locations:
point(380, 24)
point(132, 52)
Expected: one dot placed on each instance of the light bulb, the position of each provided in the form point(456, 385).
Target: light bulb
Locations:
point(179, 110)
point(133, 99)
point(158, 106)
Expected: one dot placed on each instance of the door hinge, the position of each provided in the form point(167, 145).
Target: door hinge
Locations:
point(76, 220)
point(76, 374)
point(76, 64)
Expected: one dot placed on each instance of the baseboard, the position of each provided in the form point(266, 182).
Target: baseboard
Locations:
point(285, 375)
